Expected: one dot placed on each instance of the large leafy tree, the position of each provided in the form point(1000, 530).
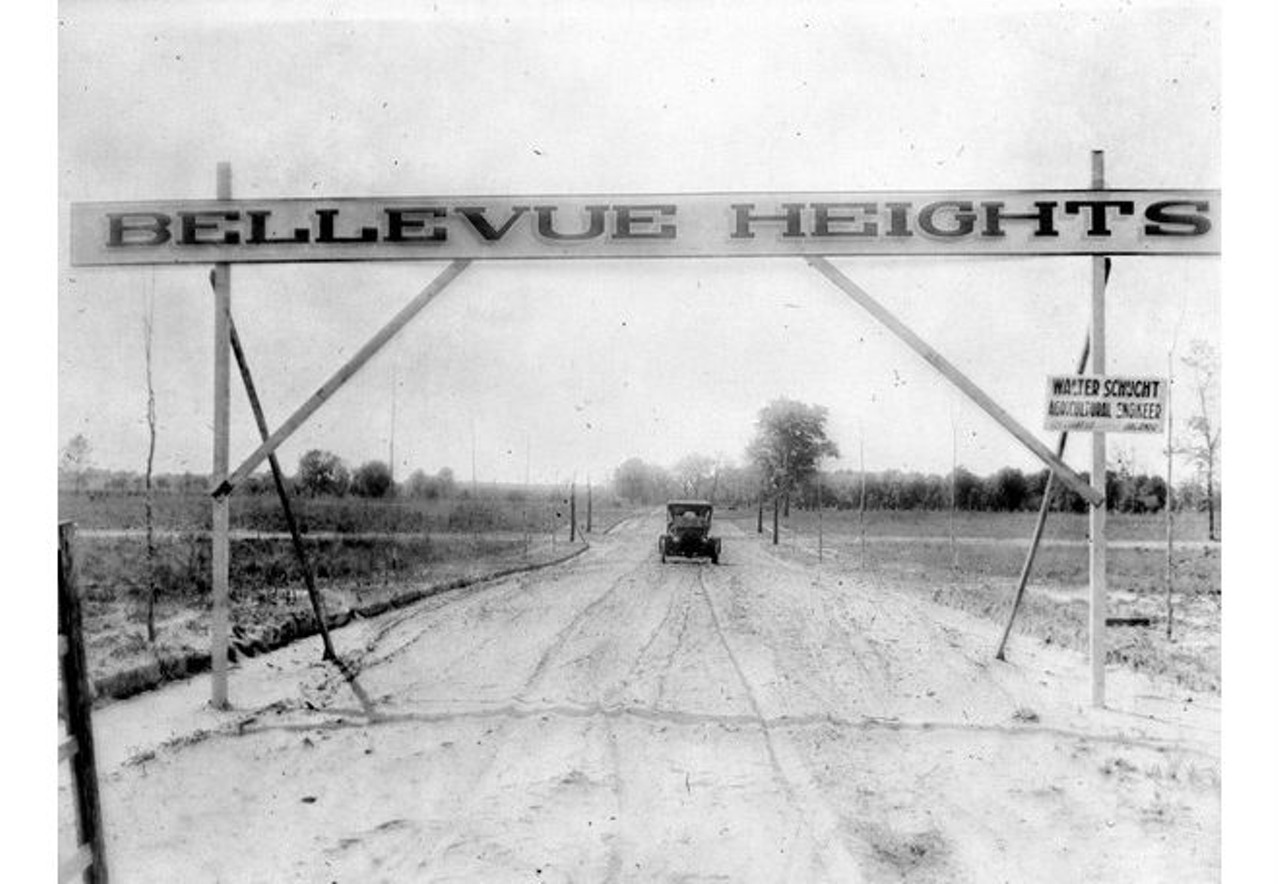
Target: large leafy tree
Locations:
point(322, 472)
point(1008, 490)
point(371, 479)
point(791, 439)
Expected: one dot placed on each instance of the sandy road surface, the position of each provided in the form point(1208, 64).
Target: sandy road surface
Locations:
point(615, 719)
point(242, 534)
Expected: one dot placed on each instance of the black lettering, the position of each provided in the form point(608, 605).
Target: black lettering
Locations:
point(479, 223)
point(1159, 216)
point(625, 219)
point(400, 223)
point(965, 218)
point(325, 234)
point(1043, 216)
point(898, 219)
point(823, 219)
point(546, 224)
point(121, 229)
point(743, 219)
point(1098, 212)
point(194, 223)
point(258, 231)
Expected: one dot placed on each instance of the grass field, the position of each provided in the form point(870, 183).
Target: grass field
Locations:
point(540, 509)
point(360, 551)
point(364, 549)
point(912, 552)
point(1188, 526)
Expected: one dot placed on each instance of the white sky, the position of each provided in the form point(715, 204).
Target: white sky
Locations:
point(588, 363)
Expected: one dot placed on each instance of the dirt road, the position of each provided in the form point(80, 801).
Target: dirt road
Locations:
point(1021, 542)
point(615, 719)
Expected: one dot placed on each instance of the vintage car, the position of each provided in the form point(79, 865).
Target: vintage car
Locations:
point(689, 531)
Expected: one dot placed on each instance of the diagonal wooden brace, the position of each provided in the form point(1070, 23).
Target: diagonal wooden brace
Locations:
point(341, 376)
point(1045, 500)
point(1068, 476)
point(317, 602)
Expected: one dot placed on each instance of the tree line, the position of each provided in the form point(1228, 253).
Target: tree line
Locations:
point(320, 473)
point(782, 465)
point(1006, 490)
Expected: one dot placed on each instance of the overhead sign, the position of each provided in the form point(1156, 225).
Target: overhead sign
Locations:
point(1012, 222)
point(1094, 403)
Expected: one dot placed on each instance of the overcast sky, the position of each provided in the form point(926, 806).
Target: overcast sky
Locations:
point(578, 365)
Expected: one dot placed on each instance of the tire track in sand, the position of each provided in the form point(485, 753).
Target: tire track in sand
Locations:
point(562, 636)
point(792, 773)
point(504, 741)
point(678, 606)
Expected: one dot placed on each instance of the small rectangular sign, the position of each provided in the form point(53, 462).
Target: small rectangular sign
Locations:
point(1094, 403)
point(996, 222)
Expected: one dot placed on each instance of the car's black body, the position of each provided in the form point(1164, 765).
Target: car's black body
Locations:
point(689, 531)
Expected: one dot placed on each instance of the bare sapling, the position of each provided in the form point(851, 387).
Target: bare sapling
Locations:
point(147, 334)
point(1206, 438)
point(1168, 511)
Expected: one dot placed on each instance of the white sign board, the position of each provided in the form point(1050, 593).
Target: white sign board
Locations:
point(1093, 403)
point(997, 222)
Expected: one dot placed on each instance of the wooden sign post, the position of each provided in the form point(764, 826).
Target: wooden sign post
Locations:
point(220, 538)
point(1098, 479)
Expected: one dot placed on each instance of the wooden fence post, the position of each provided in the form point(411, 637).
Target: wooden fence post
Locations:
point(90, 857)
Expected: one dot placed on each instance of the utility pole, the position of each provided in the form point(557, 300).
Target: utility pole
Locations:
point(528, 490)
point(1168, 488)
point(391, 445)
point(862, 503)
point(588, 504)
point(573, 510)
point(955, 556)
point(819, 517)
